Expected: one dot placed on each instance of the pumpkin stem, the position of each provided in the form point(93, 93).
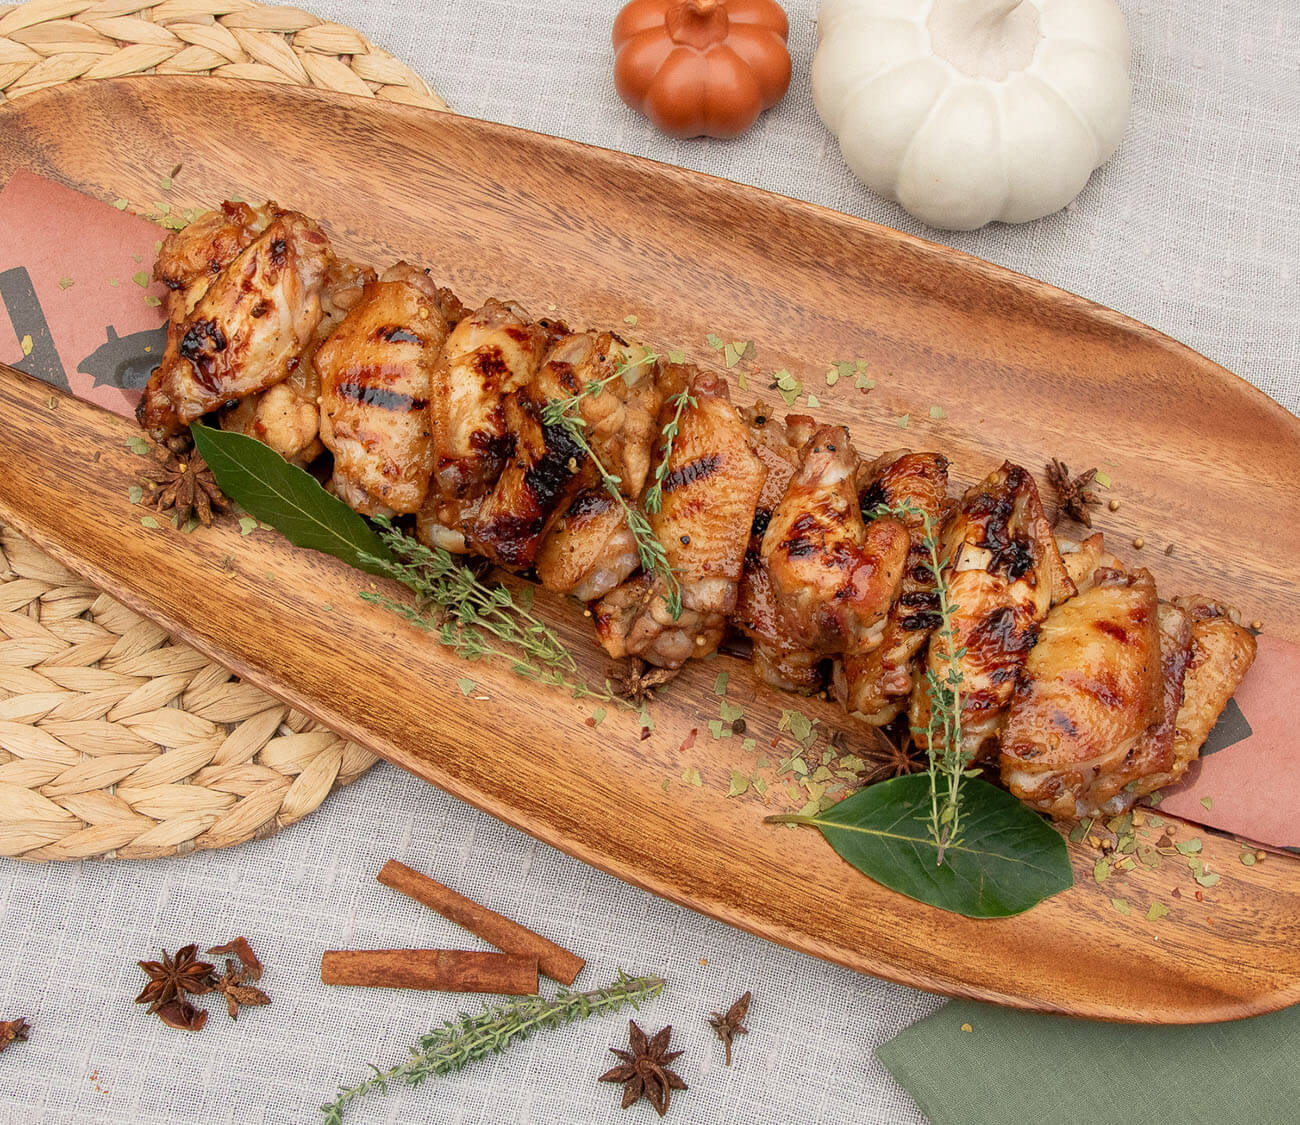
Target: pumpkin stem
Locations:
point(984, 38)
point(698, 23)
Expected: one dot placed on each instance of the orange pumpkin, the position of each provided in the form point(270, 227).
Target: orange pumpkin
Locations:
point(701, 67)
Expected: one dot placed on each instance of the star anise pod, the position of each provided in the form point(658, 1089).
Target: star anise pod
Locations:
point(183, 483)
point(888, 757)
point(730, 1025)
point(183, 1015)
point(13, 1031)
point(171, 978)
point(251, 967)
point(238, 992)
point(637, 681)
point(1072, 494)
point(644, 1069)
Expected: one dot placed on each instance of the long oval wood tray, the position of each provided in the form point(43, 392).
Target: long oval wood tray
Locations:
point(1020, 370)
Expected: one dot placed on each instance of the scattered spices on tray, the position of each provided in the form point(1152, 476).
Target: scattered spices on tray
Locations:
point(182, 483)
point(731, 1024)
point(435, 970)
point(13, 1031)
point(1073, 497)
point(637, 681)
point(508, 936)
point(644, 1070)
point(456, 1044)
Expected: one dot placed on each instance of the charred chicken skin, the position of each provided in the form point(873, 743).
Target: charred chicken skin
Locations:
point(1086, 689)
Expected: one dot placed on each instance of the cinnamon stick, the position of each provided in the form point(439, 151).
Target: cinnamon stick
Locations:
point(553, 960)
point(442, 970)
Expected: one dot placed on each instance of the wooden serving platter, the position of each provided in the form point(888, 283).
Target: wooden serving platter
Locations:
point(1020, 370)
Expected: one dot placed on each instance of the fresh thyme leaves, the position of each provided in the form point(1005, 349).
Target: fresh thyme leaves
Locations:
point(654, 496)
point(566, 413)
point(458, 1043)
point(472, 618)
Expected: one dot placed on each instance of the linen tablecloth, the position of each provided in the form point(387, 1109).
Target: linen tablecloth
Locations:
point(1191, 228)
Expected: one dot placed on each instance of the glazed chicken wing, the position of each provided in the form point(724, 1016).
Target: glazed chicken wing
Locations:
point(1004, 573)
point(1222, 653)
point(547, 466)
point(778, 659)
point(247, 332)
point(376, 373)
point(1086, 694)
point(489, 354)
point(834, 577)
point(287, 416)
point(875, 686)
point(710, 492)
point(189, 260)
point(590, 550)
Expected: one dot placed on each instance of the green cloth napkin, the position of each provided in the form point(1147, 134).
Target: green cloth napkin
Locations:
point(1018, 1068)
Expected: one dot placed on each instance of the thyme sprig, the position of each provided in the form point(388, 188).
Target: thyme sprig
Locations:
point(459, 1042)
point(948, 762)
point(654, 497)
point(566, 413)
point(472, 618)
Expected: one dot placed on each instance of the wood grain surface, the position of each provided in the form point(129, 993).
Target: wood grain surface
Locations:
point(1199, 458)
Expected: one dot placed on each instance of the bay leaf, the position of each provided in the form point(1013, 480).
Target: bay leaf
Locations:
point(1007, 858)
point(288, 498)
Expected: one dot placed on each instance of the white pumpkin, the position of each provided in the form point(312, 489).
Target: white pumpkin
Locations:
point(967, 111)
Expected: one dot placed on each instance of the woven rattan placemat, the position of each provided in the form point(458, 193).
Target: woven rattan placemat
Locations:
point(116, 742)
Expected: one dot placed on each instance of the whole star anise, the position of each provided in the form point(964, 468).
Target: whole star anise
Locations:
point(183, 483)
point(238, 992)
point(1072, 495)
point(644, 1070)
point(13, 1031)
point(171, 978)
point(729, 1025)
point(887, 757)
point(637, 681)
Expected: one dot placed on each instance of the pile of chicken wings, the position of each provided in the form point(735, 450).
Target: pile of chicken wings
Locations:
point(1074, 679)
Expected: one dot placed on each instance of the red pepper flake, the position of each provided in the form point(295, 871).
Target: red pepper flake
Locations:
point(645, 733)
point(1176, 893)
point(590, 721)
point(1200, 897)
point(688, 741)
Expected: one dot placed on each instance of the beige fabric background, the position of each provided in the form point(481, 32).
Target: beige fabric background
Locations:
point(1191, 227)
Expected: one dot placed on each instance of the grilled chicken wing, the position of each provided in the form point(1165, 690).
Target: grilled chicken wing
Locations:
point(547, 466)
point(246, 332)
point(1082, 560)
point(710, 492)
point(489, 354)
point(1086, 694)
point(376, 373)
point(778, 660)
point(1222, 653)
point(1004, 573)
point(834, 577)
point(875, 686)
point(287, 416)
point(590, 550)
point(189, 260)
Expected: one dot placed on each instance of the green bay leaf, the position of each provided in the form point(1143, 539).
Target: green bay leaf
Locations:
point(288, 498)
point(1007, 859)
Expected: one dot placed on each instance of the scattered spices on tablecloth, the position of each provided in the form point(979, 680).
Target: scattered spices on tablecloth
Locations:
point(644, 1070)
point(174, 979)
point(13, 1031)
point(730, 1024)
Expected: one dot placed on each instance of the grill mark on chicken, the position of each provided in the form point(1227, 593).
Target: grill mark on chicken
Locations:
point(369, 395)
point(1111, 629)
point(491, 364)
point(395, 333)
point(692, 471)
point(200, 344)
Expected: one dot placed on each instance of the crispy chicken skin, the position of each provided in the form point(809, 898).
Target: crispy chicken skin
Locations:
point(1004, 573)
point(547, 465)
point(1082, 560)
point(489, 354)
point(287, 416)
point(778, 660)
point(1086, 694)
point(376, 375)
point(710, 492)
point(834, 577)
point(1222, 653)
point(248, 330)
point(875, 686)
point(590, 550)
point(189, 260)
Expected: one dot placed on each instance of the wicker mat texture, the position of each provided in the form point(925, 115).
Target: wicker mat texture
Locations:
point(116, 742)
